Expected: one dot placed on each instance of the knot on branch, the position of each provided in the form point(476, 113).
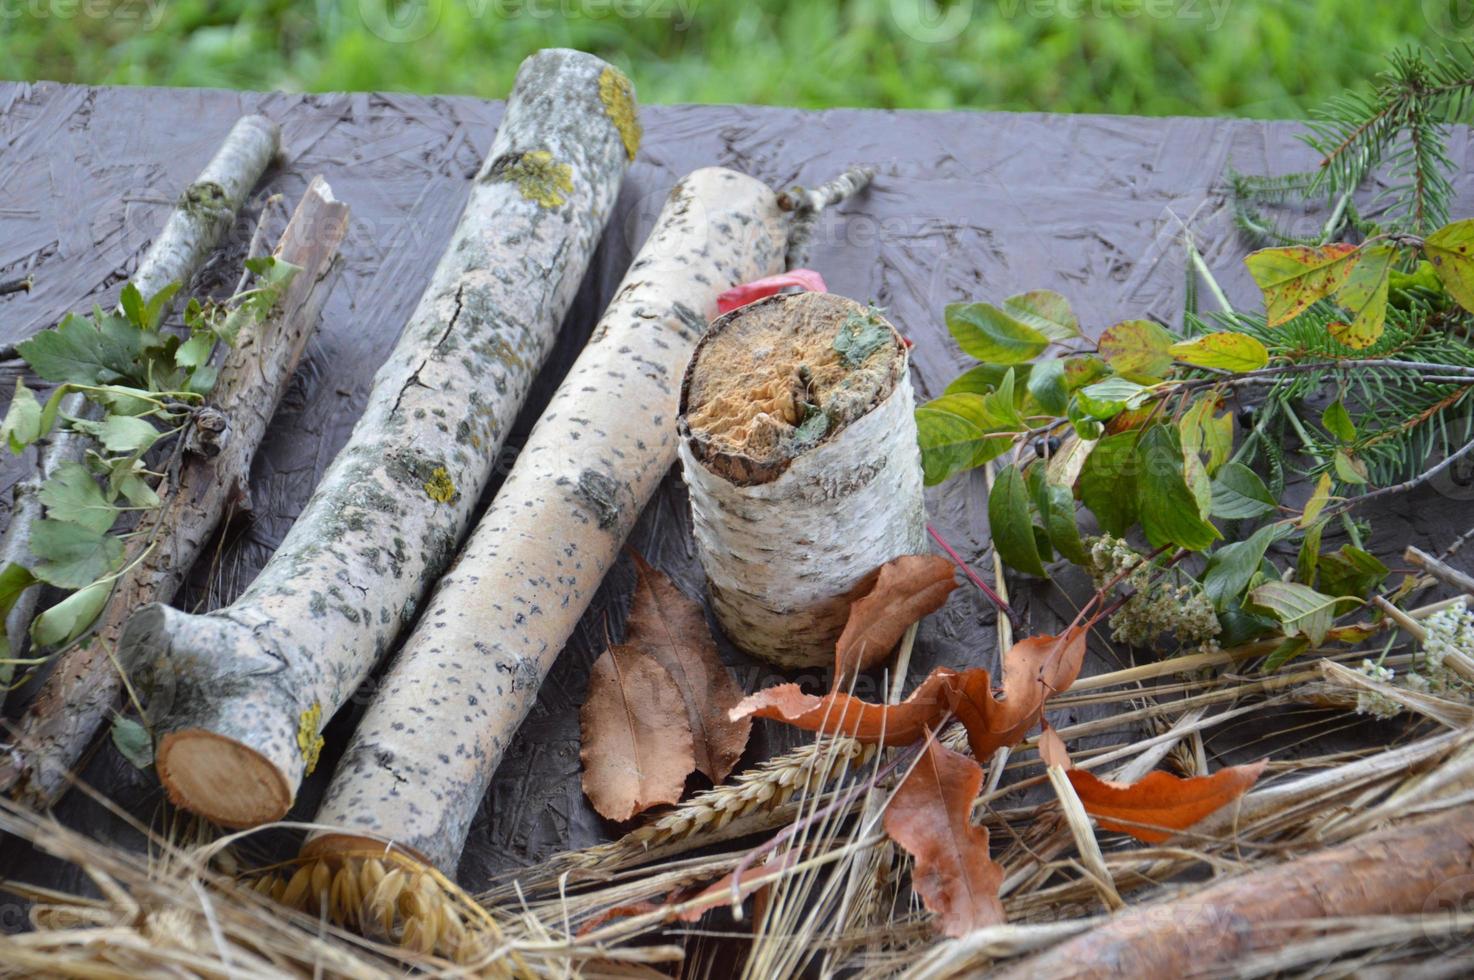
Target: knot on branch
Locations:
point(209, 431)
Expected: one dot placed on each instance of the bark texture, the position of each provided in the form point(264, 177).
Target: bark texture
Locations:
point(238, 697)
point(1418, 867)
point(254, 375)
point(789, 523)
point(424, 753)
point(205, 211)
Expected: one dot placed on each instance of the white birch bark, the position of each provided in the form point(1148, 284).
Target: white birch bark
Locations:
point(424, 753)
point(205, 211)
point(786, 540)
point(84, 684)
point(238, 697)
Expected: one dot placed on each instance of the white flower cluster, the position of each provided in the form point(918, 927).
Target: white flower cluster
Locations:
point(1374, 703)
point(1155, 607)
point(1449, 631)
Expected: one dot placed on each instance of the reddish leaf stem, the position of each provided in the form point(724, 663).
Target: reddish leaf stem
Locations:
point(1003, 607)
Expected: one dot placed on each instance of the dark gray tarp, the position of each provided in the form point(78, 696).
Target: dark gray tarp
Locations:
point(964, 206)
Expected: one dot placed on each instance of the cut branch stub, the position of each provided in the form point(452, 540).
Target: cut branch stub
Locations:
point(254, 375)
point(238, 696)
point(799, 446)
point(421, 758)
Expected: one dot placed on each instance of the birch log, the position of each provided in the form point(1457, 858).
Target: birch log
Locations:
point(206, 209)
point(798, 444)
point(423, 755)
point(84, 684)
point(238, 697)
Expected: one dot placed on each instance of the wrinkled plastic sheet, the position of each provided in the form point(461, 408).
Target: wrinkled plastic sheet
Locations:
point(964, 206)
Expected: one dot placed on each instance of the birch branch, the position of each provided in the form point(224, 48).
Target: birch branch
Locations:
point(84, 684)
point(238, 697)
point(205, 211)
point(422, 757)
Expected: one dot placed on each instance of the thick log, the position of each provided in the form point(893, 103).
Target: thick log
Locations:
point(238, 697)
point(206, 209)
point(1417, 867)
point(254, 375)
point(424, 753)
point(799, 448)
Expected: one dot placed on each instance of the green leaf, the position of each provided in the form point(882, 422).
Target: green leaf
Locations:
point(1294, 278)
point(1308, 560)
point(22, 424)
point(954, 433)
point(1299, 608)
point(70, 617)
point(132, 305)
point(1138, 349)
point(133, 742)
point(1046, 383)
point(138, 492)
point(1059, 522)
point(1239, 625)
point(1227, 351)
point(1047, 312)
point(1239, 493)
point(1086, 426)
point(1232, 567)
point(123, 400)
point(1365, 296)
point(1169, 508)
point(71, 555)
point(82, 351)
point(1451, 251)
point(1108, 482)
point(72, 494)
point(1203, 432)
point(1011, 523)
point(121, 433)
point(14, 581)
point(1284, 653)
point(985, 378)
point(154, 311)
point(197, 349)
point(989, 334)
point(202, 379)
point(1350, 571)
point(1109, 398)
point(1349, 468)
point(1337, 421)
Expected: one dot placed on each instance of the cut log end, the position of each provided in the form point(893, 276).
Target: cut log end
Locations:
point(220, 779)
point(779, 377)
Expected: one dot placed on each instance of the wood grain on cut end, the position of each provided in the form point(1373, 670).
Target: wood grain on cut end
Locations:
point(765, 373)
point(221, 779)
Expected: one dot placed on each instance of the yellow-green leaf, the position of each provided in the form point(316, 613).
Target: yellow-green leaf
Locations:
point(1047, 312)
point(1451, 250)
point(1139, 350)
point(1365, 296)
point(66, 620)
point(1317, 502)
point(1294, 278)
point(1227, 351)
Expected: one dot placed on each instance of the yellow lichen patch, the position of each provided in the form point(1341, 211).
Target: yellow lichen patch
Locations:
point(540, 178)
point(441, 488)
point(618, 96)
point(309, 739)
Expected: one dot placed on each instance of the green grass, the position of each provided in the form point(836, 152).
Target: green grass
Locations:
point(1262, 58)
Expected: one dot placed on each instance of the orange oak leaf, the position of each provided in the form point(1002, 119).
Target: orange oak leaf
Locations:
point(637, 746)
point(930, 817)
point(1158, 800)
point(671, 627)
point(906, 589)
point(719, 893)
point(836, 712)
point(1033, 670)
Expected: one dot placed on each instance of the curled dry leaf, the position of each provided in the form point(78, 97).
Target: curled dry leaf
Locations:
point(671, 627)
point(930, 817)
point(1159, 800)
point(637, 745)
point(1033, 669)
point(906, 589)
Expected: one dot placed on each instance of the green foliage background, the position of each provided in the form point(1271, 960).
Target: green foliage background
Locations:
point(1261, 58)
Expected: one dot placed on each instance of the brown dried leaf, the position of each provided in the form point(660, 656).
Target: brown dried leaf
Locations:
point(672, 628)
point(637, 745)
point(930, 817)
point(888, 724)
point(1158, 800)
point(1033, 670)
point(907, 588)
